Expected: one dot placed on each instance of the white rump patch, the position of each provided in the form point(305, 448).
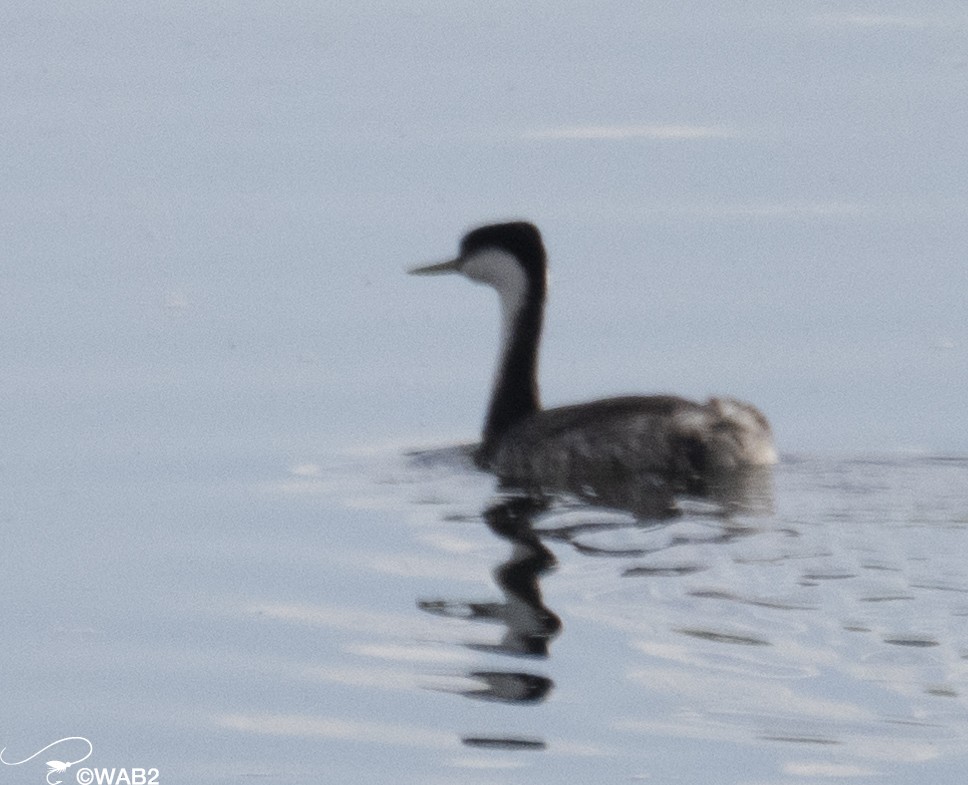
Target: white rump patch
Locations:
point(735, 431)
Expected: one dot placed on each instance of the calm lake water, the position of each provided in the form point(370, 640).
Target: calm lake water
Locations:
point(221, 560)
point(389, 617)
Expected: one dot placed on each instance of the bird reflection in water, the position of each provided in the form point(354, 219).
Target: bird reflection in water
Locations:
point(530, 625)
point(652, 500)
point(652, 497)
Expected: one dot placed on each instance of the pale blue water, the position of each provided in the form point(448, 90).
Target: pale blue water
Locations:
point(217, 559)
point(375, 618)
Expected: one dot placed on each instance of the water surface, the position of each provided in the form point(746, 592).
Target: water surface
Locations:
point(205, 214)
point(374, 613)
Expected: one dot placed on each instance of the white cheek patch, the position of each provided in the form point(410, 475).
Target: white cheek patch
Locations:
point(502, 271)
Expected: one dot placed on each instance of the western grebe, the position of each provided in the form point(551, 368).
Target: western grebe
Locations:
point(521, 442)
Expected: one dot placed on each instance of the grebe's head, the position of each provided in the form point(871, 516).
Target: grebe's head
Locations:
point(509, 257)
